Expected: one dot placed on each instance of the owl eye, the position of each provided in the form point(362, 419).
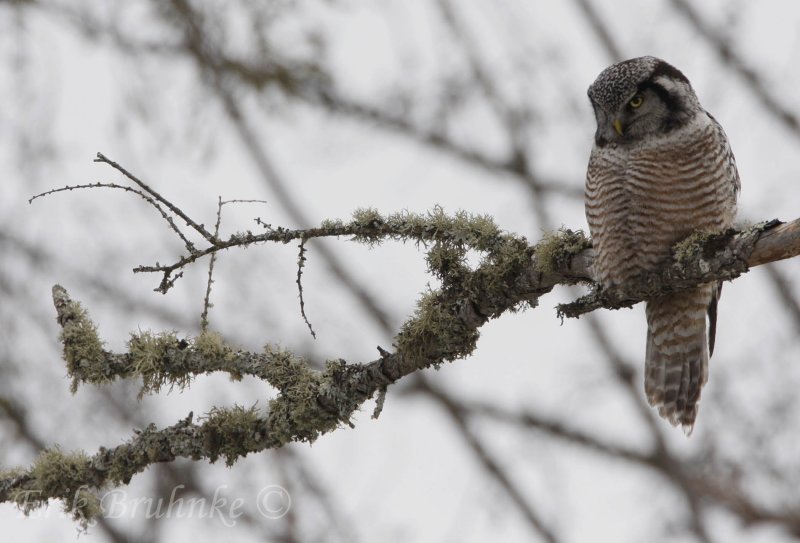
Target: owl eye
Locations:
point(636, 101)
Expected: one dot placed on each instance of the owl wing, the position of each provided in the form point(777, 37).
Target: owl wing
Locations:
point(732, 170)
point(736, 186)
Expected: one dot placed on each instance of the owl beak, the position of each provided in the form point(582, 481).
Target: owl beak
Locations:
point(618, 126)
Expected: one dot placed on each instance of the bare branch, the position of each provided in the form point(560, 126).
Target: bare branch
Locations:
point(368, 226)
point(301, 262)
point(210, 281)
point(176, 210)
point(188, 244)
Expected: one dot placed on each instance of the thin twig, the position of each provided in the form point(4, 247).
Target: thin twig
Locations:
point(206, 301)
point(189, 245)
point(301, 262)
point(199, 228)
point(211, 261)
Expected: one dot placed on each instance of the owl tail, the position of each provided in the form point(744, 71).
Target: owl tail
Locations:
point(676, 363)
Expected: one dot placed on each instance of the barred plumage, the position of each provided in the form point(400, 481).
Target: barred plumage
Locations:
point(661, 168)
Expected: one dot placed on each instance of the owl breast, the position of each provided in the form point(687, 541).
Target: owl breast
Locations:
point(643, 197)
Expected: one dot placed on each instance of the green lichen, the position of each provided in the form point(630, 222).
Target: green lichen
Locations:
point(435, 333)
point(687, 250)
point(447, 262)
point(556, 249)
point(210, 345)
point(477, 232)
point(232, 432)
point(337, 392)
point(444, 326)
point(11, 473)
point(150, 352)
point(83, 350)
point(284, 367)
point(499, 272)
point(369, 223)
point(64, 475)
point(331, 225)
point(295, 414)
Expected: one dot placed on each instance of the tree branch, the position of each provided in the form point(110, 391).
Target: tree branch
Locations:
point(696, 260)
point(310, 403)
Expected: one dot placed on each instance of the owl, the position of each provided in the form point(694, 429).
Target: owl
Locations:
point(660, 169)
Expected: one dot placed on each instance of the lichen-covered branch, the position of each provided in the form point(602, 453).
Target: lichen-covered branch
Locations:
point(309, 402)
point(445, 327)
point(367, 226)
point(700, 258)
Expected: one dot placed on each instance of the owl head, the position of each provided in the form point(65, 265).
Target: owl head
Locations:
point(641, 97)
